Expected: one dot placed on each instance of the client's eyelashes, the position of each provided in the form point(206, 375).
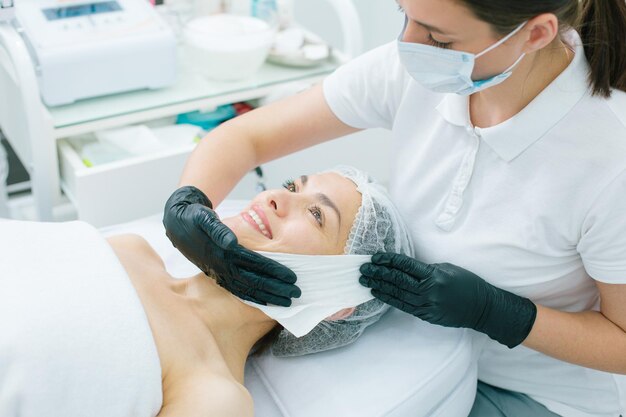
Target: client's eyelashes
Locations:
point(317, 214)
point(316, 211)
point(290, 186)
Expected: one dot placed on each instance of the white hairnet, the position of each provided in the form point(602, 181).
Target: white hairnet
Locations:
point(377, 227)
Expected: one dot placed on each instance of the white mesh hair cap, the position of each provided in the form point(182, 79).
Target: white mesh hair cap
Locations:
point(377, 227)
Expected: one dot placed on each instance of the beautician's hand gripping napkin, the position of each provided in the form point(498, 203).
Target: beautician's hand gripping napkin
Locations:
point(329, 283)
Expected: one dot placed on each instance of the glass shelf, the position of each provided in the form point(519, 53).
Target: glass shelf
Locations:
point(190, 86)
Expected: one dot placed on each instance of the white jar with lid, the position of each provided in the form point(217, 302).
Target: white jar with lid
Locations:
point(228, 47)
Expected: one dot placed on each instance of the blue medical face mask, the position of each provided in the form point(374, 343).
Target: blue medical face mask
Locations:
point(447, 71)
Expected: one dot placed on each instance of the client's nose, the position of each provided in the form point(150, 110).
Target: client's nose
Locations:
point(279, 202)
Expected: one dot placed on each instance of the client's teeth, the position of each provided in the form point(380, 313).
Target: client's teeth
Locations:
point(258, 221)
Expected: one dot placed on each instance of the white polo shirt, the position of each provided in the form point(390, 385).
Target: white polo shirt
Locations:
point(535, 205)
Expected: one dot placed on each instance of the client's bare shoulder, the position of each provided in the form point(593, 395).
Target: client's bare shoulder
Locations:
point(208, 396)
point(196, 381)
point(134, 249)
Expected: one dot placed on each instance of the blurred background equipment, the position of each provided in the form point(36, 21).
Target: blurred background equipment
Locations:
point(81, 50)
point(7, 11)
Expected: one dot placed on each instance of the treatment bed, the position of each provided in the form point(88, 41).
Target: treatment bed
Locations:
point(401, 366)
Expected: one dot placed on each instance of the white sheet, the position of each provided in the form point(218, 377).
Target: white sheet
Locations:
point(74, 339)
point(400, 367)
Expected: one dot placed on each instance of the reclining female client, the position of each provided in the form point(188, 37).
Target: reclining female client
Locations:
point(58, 341)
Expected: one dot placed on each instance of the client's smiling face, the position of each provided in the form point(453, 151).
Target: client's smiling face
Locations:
point(311, 215)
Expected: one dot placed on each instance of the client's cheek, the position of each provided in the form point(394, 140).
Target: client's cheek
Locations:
point(248, 237)
point(238, 228)
point(231, 222)
point(307, 244)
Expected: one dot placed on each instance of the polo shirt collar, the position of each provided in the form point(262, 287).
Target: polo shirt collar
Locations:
point(513, 136)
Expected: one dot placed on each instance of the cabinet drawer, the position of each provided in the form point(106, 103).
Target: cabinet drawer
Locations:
point(123, 190)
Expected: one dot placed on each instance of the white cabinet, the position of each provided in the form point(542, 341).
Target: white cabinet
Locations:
point(123, 190)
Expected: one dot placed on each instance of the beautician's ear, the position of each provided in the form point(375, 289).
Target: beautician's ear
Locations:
point(542, 30)
point(341, 314)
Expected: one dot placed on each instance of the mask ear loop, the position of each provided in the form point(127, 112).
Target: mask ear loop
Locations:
point(406, 22)
point(515, 63)
point(501, 41)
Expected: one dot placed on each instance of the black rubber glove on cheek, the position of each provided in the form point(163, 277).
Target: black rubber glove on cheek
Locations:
point(196, 231)
point(219, 233)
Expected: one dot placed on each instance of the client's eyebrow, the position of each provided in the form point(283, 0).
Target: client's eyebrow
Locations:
point(323, 198)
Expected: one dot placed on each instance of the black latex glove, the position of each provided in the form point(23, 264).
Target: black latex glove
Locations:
point(450, 296)
point(196, 231)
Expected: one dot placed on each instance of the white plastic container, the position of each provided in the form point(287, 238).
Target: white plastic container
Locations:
point(227, 47)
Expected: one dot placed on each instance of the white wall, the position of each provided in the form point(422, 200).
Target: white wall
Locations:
point(368, 150)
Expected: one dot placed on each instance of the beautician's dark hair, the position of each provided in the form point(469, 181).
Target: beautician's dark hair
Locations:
point(600, 23)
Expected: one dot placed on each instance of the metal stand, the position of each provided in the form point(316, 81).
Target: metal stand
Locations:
point(24, 120)
point(7, 12)
point(4, 173)
point(350, 26)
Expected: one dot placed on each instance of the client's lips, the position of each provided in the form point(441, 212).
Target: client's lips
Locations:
point(257, 219)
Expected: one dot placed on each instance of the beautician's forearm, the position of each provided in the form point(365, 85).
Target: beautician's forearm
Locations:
point(219, 161)
point(225, 155)
point(587, 338)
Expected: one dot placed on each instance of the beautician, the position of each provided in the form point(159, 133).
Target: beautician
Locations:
point(509, 161)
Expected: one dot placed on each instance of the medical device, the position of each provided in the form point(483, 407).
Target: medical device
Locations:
point(83, 49)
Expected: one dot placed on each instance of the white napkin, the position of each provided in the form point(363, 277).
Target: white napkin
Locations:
point(329, 283)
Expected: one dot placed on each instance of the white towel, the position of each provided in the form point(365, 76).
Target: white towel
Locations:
point(74, 338)
point(329, 283)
